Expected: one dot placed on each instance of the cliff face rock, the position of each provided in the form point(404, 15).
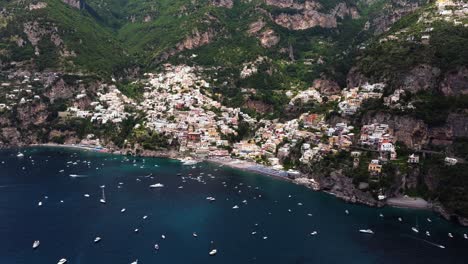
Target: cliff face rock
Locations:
point(412, 132)
point(355, 78)
point(195, 40)
point(385, 20)
point(10, 136)
point(455, 82)
point(35, 114)
point(421, 78)
point(309, 14)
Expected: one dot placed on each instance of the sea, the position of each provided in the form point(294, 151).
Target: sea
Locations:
point(53, 195)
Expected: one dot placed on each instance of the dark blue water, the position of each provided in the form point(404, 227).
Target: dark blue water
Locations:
point(273, 210)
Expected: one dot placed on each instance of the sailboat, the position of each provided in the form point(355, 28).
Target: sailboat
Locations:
point(103, 199)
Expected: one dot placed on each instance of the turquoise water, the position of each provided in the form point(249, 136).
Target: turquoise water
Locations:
point(281, 214)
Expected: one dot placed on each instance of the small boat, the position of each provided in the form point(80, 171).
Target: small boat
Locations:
point(103, 198)
point(20, 155)
point(347, 212)
point(400, 219)
point(381, 215)
point(211, 199)
point(195, 234)
point(213, 252)
point(366, 231)
point(136, 230)
point(39, 204)
point(440, 246)
point(97, 239)
point(235, 207)
point(465, 236)
point(36, 244)
point(265, 238)
point(163, 236)
point(135, 262)
point(314, 233)
point(123, 210)
point(144, 217)
point(156, 246)
point(415, 229)
point(429, 220)
point(157, 185)
point(86, 195)
point(427, 233)
point(62, 261)
point(450, 235)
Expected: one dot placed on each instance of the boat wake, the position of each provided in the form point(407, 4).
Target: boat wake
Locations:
point(78, 176)
point(425, 241)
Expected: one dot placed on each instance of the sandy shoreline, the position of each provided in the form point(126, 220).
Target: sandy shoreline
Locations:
point(400, 202)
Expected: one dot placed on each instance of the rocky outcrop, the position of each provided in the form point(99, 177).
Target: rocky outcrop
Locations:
point(326, 87)
point(421, 78)
point(455, 82)
point(78, 4)
point(269, 38)
point(223, 3)
point(10, 136)
point(396, 10)
point(32, 114)
point(342, 187)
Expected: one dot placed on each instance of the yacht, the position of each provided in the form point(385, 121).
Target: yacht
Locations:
point(20, 155)
point(157, 185)
point(235, 207)
point(39, 204)
point(36, 244)
point(97, 239)
point(135, 262)
point(144, 217)
point(123, 210)
point(415, 229)
point(213, 252)
point(62, 261)
point(156, 247)
point(314, 233)
point(366, 231)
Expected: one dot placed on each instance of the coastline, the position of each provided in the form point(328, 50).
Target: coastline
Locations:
point(399, 202)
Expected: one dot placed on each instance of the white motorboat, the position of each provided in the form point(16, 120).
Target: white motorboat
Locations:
point(39, 204)
point(135, 262)
point(156, 247)
point(366, 231)
point(450, 235)
point(157, 185)
point(123, 210)
point(86, 195)
point(163, 236)
point(195, 234)
point(415, 229)
point(213, 252)
point(62, 261)
point(235, 207)
point(465, 236)
point(427, 233)
point(103, 198)
point(211, 199)
point(97, 239)
point(20, 155)
point(347, 212)
point(36, 244)
point(144, 217)
point(314, 233)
